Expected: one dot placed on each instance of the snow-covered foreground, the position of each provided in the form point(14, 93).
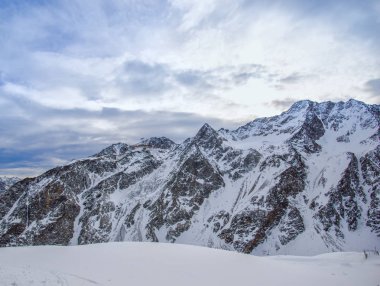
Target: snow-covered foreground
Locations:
point(129, 263)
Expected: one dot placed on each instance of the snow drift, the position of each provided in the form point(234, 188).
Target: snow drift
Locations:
point(167, 264)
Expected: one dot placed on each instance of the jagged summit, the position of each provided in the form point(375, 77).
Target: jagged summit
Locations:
point(309, 115)
point(205, 131)
point(302, 104)
point(207, 137)
point(302, 182)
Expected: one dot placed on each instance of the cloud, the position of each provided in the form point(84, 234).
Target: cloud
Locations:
point(294, 78)
point(194, 12)
point(282, 104)
point(192, 78)
point(373, 87)
point(76, 75)
point(141, 78)
point(220, 78)
point(291, 81)
point(60, 97)
point(22, 172)
point(47, 137)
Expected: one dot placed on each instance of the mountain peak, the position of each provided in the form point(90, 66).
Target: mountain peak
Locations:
point(206, 131)
point(308, 174)
point(206, 126)
point(208, 137)
point(300, 105)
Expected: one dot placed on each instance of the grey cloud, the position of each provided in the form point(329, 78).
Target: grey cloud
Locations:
point(295, 78)
point(373, 87)
point(193, 78)
point(240, 75)
point(224, 77)
point(47, 137)
point(282, 103)
point(243, 77)
point(281, 82)
point(144, 78)
point(148, 79)
point(141, 78)
point(142, 68)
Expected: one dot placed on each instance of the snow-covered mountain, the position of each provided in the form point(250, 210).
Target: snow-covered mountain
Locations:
point(303, 182)
point(6, 182)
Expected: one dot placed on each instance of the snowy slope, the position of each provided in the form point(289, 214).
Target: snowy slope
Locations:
point(304, 182)
point(6, 182)
point(167, 264)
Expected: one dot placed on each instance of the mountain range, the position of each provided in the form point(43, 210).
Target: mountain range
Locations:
point(304, 182)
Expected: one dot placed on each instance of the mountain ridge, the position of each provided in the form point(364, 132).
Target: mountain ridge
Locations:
point(308, 174)
point(7, 182)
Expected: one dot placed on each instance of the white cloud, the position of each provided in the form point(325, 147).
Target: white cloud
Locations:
point(223, 61)
point(22, 172)
point(194, 12)
point(58, 98)
point(202, 35)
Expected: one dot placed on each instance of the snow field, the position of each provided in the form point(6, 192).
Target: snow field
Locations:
point(131, 263)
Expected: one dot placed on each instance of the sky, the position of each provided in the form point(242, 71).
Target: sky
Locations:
point(79, 75)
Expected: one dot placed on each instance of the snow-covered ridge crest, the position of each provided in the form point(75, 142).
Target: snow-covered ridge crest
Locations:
point(303, 182)
point(7, 182)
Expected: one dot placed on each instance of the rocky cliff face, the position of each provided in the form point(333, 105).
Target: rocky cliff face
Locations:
point(304, 182)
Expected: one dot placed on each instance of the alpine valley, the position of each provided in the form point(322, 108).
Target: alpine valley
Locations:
point(304, 182)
